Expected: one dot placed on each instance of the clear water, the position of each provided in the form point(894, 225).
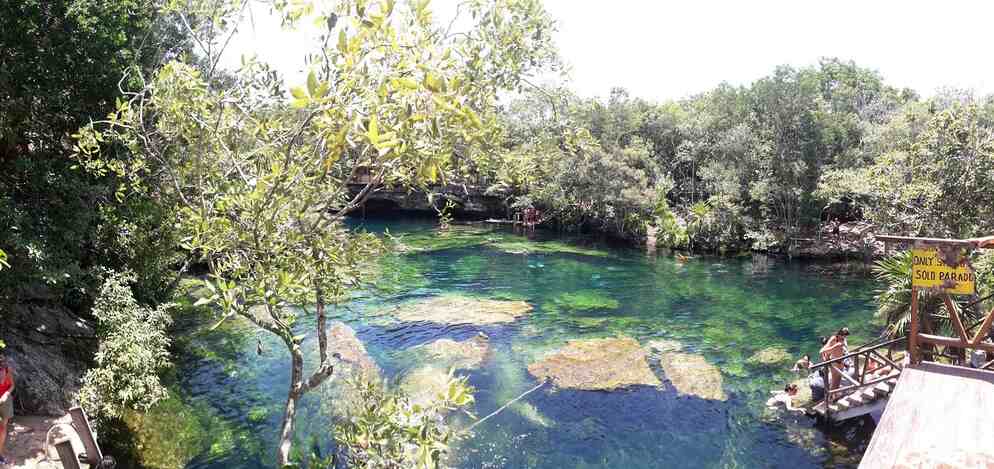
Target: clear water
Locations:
point(725, 309)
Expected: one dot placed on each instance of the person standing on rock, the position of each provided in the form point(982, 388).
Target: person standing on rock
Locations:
point(6, 405)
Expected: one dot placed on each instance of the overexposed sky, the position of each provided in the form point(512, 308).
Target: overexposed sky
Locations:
point(663, 49)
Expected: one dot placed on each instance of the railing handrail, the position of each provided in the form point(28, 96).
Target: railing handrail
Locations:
point(859, 350)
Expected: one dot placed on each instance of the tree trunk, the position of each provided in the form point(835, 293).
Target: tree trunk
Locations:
point(290, 412)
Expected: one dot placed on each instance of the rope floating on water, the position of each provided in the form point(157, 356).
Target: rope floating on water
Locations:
point(512, 401)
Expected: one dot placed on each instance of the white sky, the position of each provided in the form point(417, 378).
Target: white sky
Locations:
point(669, 49)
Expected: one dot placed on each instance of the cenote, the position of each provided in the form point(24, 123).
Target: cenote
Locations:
point(231, 382)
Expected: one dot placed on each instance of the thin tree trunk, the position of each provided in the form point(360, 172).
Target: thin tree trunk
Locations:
point(290, 412)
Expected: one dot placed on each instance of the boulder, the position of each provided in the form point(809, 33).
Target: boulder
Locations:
point(466, 355)
point(693, 375)
point(597, 365)
point(455, 309)
point(345, 346)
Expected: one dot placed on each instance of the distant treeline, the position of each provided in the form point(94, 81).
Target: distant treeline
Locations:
point(749, 167)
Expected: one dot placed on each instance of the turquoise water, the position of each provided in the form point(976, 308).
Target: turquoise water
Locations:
point(724, 309)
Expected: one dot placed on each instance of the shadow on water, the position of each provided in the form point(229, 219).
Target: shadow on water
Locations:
point(726, 310)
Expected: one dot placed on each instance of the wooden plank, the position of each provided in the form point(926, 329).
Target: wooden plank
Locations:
point(951, 342)
point(937, 416)
point(82, 425)
point(954, 317)
point(984, 329)
point(913, 335)
point(67, 456)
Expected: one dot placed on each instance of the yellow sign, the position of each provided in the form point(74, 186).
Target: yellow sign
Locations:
point(928, 271)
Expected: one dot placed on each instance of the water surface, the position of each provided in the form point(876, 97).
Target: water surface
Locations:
point(725, 309)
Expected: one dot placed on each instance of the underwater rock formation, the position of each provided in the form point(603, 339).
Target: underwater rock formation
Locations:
point(664, 346)
point(769, 356)
point(455, 309)
point(466, 355)
point(350, 351)
point(597, 365)
point(693, 375)
point(424, 384)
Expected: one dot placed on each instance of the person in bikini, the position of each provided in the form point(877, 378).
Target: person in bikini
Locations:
point(835, 347)
point(6, 405)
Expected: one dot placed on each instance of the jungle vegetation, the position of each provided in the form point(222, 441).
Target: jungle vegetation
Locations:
point(128, 157)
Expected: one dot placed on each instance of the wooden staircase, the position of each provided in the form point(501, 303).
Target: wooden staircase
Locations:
point(860, 402)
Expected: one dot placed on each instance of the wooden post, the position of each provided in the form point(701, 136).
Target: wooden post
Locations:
point(66, 454)
point(913, 334)
point(82, 425)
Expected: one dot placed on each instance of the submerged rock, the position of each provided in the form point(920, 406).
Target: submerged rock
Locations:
point(468, 354)
point(455, 309)
point(423, 385)
point(769, 356)
point(354, 364)
point(350, 351)
point(664, 346)
point(597, 365)
point(693, 375)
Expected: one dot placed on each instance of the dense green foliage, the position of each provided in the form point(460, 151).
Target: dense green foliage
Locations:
point(60, 65)
point(261, 182)
point(385, 430)
point(753, 166)
point(134, 350)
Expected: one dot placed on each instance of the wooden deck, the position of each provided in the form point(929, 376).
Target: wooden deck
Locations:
point(938, 416)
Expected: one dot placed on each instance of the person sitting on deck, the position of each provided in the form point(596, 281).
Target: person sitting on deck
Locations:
point(6, 404)
point(786, 397)
point(802, 365)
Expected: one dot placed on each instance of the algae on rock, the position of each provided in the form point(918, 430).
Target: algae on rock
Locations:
point(769, 356)
point(693, 375)
point(597, 365)
point(456, 309)
point(465, 355)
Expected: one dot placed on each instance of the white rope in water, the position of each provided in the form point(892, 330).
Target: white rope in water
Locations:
point(512, 401)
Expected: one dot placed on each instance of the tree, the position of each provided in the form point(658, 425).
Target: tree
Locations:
point(262, 178)
point(931, 176)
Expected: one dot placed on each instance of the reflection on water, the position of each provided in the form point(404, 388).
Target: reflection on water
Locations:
point(723, 309)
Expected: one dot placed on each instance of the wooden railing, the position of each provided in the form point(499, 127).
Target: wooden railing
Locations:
point(864, 375)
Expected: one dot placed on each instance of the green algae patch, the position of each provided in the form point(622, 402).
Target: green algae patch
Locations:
point(597, 365)
point(457, 309)
point(693, 375)
point(525, 247)
point(585, 300)
point(173, 433)
point(466, 355)
point(769, 356)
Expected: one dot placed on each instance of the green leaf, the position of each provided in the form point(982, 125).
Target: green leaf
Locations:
point(343, 41)
point(312, 83)
point(298, 92)
point(434, 83)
